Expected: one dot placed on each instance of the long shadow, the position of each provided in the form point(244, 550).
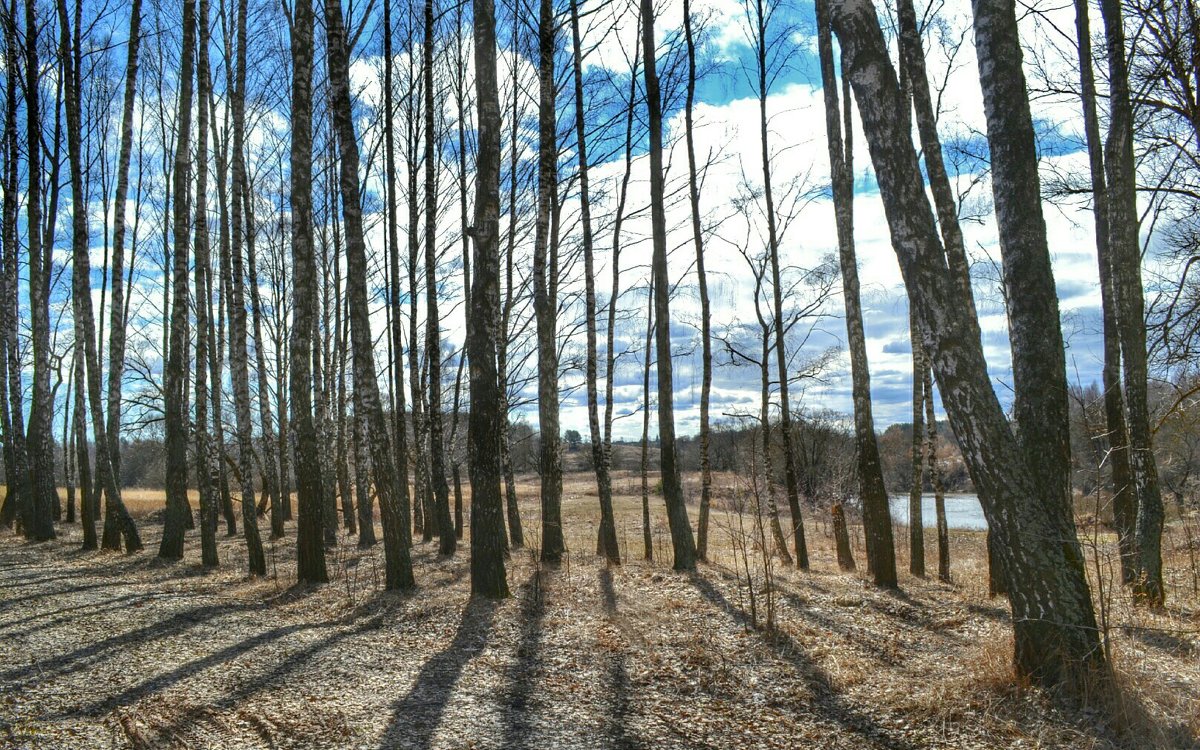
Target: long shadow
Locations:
point(416, 716)
point(11, 628)
point(7, 604)
point(618, 678)
point(522, 676)
point(272, 678)
point(824, 697)
point(995, 614)
point(176, 623)
point(165, 680)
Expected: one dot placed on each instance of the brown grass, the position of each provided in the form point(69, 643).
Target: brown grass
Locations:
point(583, 655)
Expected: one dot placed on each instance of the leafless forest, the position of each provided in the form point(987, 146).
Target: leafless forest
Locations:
point(437, 374)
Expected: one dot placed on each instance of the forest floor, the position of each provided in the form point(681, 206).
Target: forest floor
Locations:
point(106, 650)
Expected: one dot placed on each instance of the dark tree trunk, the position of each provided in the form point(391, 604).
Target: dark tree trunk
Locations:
point(544, 298)
point(16, 457)
point(433, 323)
point(841, 536)
point(175, 376)
point(40, 496)
point(682, 541)
point(204, 468)
point(916, 520)
point(487, 419)
point(647, 537)
point(310, 552)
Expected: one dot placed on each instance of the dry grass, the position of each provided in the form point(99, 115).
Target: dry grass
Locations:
point(102, 650)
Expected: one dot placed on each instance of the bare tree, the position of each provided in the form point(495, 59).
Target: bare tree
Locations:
point(395, 516)
point(487, 420)
point(1054, 624)
point(877, 519)
point(682, 541)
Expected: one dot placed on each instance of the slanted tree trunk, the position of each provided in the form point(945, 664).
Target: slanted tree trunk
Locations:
point(544, 299)
point(1131, 313)
point(607, 542)
point(117, 319)
point(487, 419)
point(877, 518)
point(682, 542)
point(396, 531)
point(175, 375)
point(1054, 624)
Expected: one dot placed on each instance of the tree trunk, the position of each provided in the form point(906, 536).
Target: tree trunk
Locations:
point(916, 519)
point(1124, 500)
point(607, 541)
point(239, 365)
point(1131, 313)
point(845, 556)
point(204, 469)
point(544, 302)
point(487, 419)
point(682, 541)
point(175, 376)
point(935, 476)
point(433, 323)
point(1054, 624)
point(399, 420)
point(16, 463)
point(877, 517)
point(647, 538)
point(310, 552)
point(702, 288)
point(39, 493)
point(117, 320)
point(399, 574)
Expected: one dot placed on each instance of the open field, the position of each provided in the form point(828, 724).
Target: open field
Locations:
point(103, 650)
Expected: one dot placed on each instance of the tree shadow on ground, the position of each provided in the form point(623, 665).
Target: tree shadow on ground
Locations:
point(825, 701)
point(175, 624)
point(416, 716)
point(11, 630)
point(619, 688)
point(271, 678)
point(522, 675)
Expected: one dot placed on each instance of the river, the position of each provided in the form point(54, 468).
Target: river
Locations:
point(962, 511)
